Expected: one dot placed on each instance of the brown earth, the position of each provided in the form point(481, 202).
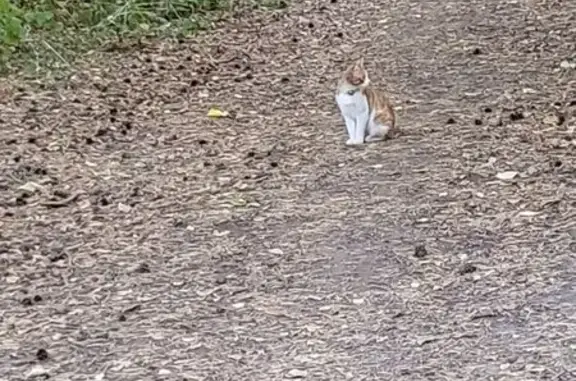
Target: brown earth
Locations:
point(141, 240)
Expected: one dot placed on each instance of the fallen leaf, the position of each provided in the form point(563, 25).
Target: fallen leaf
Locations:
point(297, 373)
point(238, 202)
point(31, 187)
point(236, 357)
point(124, 208)
point(37, 372)
point(12, 279)
point(551, 120)
point(528, 90)
point(427, 340)
point(528, 213)
point(508, 175)
point(216, 113)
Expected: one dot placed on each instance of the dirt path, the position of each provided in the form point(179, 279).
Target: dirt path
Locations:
point(259, 247)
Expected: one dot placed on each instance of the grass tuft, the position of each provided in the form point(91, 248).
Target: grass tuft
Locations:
point(43, 35)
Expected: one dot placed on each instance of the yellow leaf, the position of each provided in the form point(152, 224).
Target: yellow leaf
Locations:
point(215, 113)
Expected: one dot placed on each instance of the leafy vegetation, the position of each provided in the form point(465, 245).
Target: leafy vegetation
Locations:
point(40, 34)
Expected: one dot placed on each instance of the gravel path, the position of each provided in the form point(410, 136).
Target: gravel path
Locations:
point(141, 240)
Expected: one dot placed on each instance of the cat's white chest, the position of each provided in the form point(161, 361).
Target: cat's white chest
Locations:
point(352, 105)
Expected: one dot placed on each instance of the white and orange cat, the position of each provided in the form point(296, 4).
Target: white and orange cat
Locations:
point(368, 113)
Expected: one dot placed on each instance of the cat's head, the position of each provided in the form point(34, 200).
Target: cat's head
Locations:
point(356, 75)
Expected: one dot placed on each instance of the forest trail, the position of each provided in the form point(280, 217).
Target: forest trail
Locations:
point(259, 246)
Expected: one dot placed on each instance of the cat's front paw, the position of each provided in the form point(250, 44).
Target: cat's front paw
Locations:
point(352, 142)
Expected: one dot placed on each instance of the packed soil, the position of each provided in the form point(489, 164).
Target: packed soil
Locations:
point(143, 240)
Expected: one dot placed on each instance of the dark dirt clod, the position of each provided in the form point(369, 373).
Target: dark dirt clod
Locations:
point(59, 193)
point(26, 302)
point(468, 268)
point(42, 354)
point(101, 131)
point(420, 251)
point(516, 115)
point(58, 257)
point(143, 268)
point(318, 257)
point(220, 310)
point(478, 122)
point(37, 298)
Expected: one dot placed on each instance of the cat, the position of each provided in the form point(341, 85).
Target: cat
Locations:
point(368, 113)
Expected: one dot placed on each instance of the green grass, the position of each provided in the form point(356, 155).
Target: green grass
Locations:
point(40, 35)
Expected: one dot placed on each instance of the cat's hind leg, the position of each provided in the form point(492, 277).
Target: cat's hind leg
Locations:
point(378, 131)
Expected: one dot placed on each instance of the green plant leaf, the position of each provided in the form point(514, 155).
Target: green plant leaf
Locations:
point(12, 30)
point(39, 19)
